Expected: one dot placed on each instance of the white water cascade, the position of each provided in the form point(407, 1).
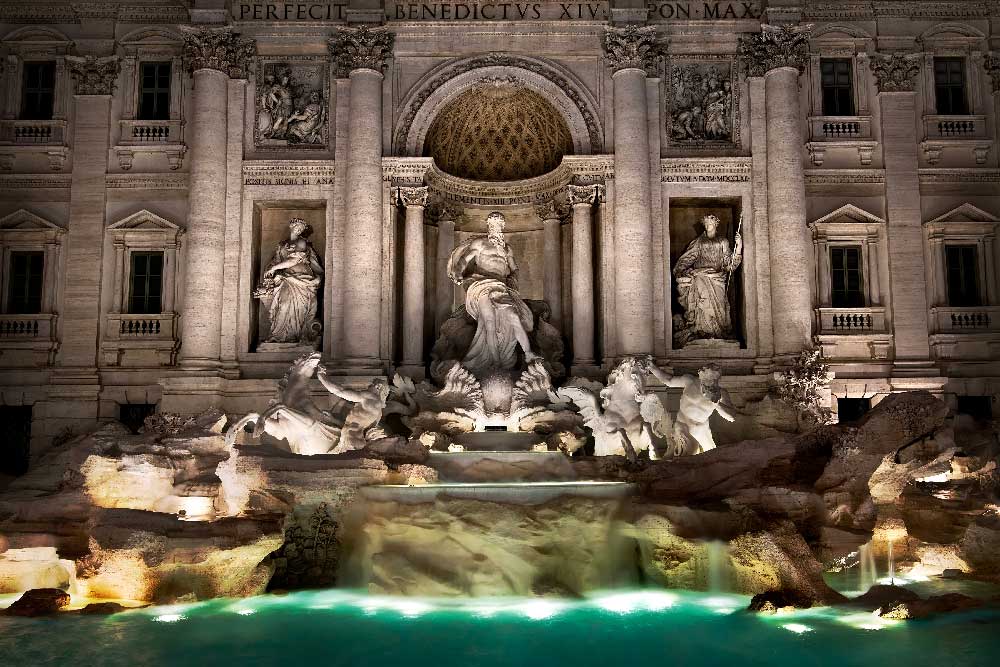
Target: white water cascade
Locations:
point(866, 566)
point(718, 560)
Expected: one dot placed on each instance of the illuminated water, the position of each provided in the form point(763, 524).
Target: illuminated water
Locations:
point(340, 628)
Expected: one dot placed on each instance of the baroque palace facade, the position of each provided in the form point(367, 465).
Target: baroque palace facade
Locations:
point(194, 193)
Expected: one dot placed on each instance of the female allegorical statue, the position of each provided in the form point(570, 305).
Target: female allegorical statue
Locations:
point(289, 287)
point(702, 275)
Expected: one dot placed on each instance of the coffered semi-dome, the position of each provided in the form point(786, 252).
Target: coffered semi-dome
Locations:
point(498, 131)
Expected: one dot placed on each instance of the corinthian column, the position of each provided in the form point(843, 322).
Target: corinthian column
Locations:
point(414, 199)
point(630, 51)
point(444, 289)
point(582, 199)
point(896, 76)
point(552, 256)
point(780, 55)
point(94, 83)
point(214, 55)
point(361, 55)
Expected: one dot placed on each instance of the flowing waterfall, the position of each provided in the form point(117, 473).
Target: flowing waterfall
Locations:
point(866, 566)
point(718, 560)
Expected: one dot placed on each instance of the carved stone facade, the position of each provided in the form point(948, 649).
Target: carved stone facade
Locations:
point(605, 142)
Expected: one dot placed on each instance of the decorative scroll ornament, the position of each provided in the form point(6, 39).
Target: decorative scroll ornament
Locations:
point(583, 194)
point(94, 76)
point(220, 49)
point(895, 72)
point(992, 64)
point(411, 197)
point(631, 47)
point(361, 48)
point(774, 47)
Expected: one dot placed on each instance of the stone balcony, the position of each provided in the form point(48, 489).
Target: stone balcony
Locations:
point(164, 137)
point(28, 340)
point(140, 340)
point(47, 137)
point(852, 133)
point(968, 133)
point(853, 333)
point(965, 333)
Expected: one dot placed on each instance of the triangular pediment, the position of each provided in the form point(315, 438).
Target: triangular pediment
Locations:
point(849, 213)
point(22, 220)
point(965, 213)
point(144, 220)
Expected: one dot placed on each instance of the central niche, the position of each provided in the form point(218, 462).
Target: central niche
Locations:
point(499, 130)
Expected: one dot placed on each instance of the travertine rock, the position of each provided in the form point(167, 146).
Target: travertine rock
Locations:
point(39, 602)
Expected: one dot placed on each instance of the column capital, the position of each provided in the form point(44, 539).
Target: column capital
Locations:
point(94, 76)
point(584, 195)
point(412, 197)
point(895, 72)
point(442, 210)
point(363, 47)
point(774, 47)
point(221, 49)
point(548, 210)
point(631, 47)
point(992, 64)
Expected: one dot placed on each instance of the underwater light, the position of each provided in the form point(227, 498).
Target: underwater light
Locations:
point(797, 628)
point(246, 612)
point(539, 610)
point(169, 618)
point(626, 603)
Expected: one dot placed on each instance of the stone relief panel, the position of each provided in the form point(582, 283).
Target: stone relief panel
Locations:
point(292, 104)
point(702, 102)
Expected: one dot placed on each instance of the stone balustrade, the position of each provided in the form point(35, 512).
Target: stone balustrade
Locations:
point(954, 127)
point(851, 320)
point(982, 319)
point(837, 128)
point(33, 132)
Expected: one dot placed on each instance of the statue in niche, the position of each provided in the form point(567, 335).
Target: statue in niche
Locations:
point(703, 274)
point(289, 288)
point(702, 396)
point(485, 267)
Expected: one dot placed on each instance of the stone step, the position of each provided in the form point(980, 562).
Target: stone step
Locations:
point(502, 466)
point(513, 493)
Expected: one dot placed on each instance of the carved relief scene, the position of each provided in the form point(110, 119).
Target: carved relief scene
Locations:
point(702, 102)
point(291, 104)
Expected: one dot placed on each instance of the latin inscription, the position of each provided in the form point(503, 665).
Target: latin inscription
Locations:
point(457, 10)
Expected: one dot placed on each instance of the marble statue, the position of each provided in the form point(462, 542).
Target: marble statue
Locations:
point(485, 267)
point(702, 274)
point(274, 104)
point(306, 124)
point(702, 396)
point(623, 418)
point(289, 288)
point(365, 414)
point(293, 416)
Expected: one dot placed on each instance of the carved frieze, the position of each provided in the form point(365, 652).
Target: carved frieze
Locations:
point(286, 173)
point(702, 102)
point(220, 49)
point(631, 47)
point(292, 103)
point(94, 76)
point(705, 170)
point(992, 64)
point(895, 72)
point(774, 47)
point(361, 48)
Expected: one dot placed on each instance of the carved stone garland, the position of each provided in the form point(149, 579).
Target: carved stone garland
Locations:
point(361, 48)
point(94, 76)
point(220, 49)
point(895, 72)
point(774, 47)
point(631, 47)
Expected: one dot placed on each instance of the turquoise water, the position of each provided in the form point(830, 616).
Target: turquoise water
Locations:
point(619, 628)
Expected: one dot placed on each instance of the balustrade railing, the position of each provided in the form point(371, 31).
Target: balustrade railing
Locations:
point(26, 327)
point(965, 320)
point(33, 132)
point(850, 321)
point(151, 132)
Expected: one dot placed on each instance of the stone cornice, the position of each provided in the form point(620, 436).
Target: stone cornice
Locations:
point(706, 170)
point(631, 47)
point(945, 175)
point(363, 47)
point(220, 49)
point(34, 181)
point(94, 76)
point(844, 177)
point(774, 47)
point(152, 181)
point(71, 13)
point(895, 72)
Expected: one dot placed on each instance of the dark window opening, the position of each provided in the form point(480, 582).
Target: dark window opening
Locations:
point(15, 439)
point(961, 264)
point(978, 407)
point(837, 83)
point(146, 283)
point(133, 415)
point(154, 91)
point(845, 277)
point(949, 86)
point(850, 410)
point(24, 293)
point(38, 91)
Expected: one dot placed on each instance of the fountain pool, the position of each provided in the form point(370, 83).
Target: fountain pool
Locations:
point(337, 627)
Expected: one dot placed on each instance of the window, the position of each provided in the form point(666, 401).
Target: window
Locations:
point(962, 268)
point(146, 286)
point(978, 407)
point(24, 296)
point(845, 278)
point(15, 439)
point(38, 91)
point(949, 86)
point(836, 80)
point(154, 91)
point(850, 410)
